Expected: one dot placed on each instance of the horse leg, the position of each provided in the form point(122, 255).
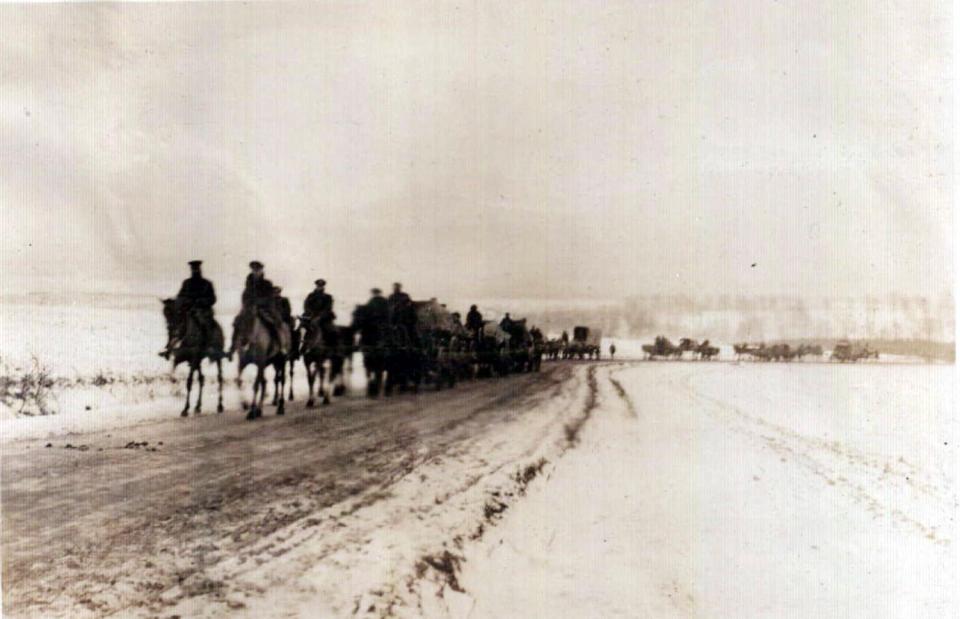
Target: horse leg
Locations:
point(346, 370)
point(292, 363)
point(280, 376)
point(378, 380)
point(262, 379)
point(388, 377)
point(277, 394)
point(186, 405)
point(372, 388)
point(219, 386)
point(252, 411)
point(325, 390)
point(200, 379)
point(310, 379)
point(337, 371)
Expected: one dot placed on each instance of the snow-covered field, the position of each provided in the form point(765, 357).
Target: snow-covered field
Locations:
point(741, 491)
point(105, 364)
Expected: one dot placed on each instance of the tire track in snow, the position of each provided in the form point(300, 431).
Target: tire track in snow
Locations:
point(836, 466)
point(622, 393)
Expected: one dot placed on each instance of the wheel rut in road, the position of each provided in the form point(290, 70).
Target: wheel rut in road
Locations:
point(130, 529)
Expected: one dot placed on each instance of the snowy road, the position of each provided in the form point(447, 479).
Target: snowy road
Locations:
point(603, 490)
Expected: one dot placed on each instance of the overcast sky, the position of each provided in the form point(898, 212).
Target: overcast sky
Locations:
point(480, 148)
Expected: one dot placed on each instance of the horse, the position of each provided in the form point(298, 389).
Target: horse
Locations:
point(372, 346)
point(706, 351)
point(519, 346)
point(265, 347)
point(193, 347)
point(776, 352)
point(536, 350)
point(662, 347)
point(341, 360)
point(805, 349)
point(405, 360)
point(685, 345)
point(333, 344)
point(462, 355)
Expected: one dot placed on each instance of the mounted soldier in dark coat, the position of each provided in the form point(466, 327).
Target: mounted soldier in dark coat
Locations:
point(373, 318)
point(318, 305)
point(318, 311)
point(402, 311)
point(258, 299)
point(400, 304)
point(195, 299)
point(537, 335)
point(474, 322)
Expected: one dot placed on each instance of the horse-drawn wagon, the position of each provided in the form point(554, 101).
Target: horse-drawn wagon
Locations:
point(845, 351)
point(585, 343)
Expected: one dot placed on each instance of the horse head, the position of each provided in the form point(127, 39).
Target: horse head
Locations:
point(170, 314)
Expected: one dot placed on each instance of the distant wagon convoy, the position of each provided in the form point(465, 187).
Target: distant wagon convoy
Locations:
point(845, 351)
point(405, 344)
point(663, 348)
point(775, 352)
point(585, 343)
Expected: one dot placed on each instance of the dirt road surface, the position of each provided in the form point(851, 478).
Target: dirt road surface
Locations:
point(326, 512)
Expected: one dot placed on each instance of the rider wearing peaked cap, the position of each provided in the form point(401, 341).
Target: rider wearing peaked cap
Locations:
point(197, 298)
point(258, 298)
point(318, 304)
point(195, 291)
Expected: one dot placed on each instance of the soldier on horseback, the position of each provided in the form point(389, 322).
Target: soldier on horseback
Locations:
point(258, 300)
point(318, 310)
point(474, 322)
point(400, 303)
point(318, 305)
point(402, 311)
point(373, 318)
point(195, 299)
point(193, 334)
point(537, 335)
point(378, 308)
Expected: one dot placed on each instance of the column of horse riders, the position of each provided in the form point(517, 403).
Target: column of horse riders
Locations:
point(405, 343)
